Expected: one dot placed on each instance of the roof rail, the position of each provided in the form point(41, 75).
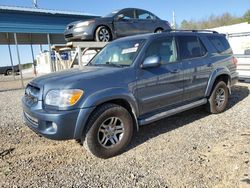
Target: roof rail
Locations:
point(191, 30)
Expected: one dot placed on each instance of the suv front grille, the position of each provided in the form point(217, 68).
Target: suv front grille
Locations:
point(31, 94)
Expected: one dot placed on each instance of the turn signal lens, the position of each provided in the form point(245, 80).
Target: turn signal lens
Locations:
point(75, 96)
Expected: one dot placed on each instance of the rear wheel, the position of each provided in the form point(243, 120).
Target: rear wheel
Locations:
point(9, 72)
point(103, 34)
point(218, 100)
point(159, 30)
point(109, 131)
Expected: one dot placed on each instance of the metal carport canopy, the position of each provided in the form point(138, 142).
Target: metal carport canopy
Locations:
point(32, 25)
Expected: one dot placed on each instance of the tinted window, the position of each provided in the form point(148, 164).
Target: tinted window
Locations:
point(128, 14)
point(164, 48)
point(220, 43)
point(144, 15)
point(190, 47)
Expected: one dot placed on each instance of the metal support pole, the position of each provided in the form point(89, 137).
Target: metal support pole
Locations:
point(50, 62)
point(32, 53)
point(79, 51)
point(11, 59)
point(19, 61)
point(41, 48)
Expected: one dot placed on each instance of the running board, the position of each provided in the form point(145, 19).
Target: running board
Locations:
point(172, 112)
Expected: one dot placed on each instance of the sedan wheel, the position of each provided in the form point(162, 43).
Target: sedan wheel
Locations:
point(159, 31)
point(103, 34)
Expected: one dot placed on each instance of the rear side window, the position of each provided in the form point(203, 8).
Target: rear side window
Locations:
point(143, 15)
point(220, 43)
point(190, 47)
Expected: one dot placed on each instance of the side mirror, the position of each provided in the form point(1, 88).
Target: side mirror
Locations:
point(151, 62)
point(120, 17)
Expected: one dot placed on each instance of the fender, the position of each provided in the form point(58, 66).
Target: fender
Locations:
point(100, 97)
point(217, 72)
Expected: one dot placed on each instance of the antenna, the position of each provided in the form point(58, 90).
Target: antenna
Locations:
point(35, 4)
point(174, 23)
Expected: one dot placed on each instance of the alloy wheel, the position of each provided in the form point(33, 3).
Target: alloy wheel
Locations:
point(110, 132)
point(220, 97)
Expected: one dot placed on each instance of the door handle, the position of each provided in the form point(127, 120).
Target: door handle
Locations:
point(175, 71)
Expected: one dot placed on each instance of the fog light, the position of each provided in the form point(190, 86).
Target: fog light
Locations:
point(54, 127)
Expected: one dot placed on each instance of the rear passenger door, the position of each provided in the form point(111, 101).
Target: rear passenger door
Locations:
point(196, 67)
point(145, 21)
point(160, 88)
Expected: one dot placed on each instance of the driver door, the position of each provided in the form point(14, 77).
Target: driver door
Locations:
point(160, 88)
point(126, 25)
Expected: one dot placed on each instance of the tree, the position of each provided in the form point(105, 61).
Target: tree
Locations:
point(215, 21)
point(246, 16)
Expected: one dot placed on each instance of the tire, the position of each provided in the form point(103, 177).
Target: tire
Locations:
point(109, 131)
point(218, 100)
point(103, 34)
point(8, 72)
point(159, 30)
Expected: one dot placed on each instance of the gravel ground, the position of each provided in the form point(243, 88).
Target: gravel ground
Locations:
point(191, 149)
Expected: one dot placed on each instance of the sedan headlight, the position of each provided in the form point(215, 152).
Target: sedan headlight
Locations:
point(86, 23)
point(63, 98)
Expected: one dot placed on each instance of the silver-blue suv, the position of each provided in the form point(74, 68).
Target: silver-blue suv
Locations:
point(131, 82)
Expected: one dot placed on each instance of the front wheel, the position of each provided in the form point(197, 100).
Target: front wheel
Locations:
point(218, 100)
point(103, 34)
point(109, 131)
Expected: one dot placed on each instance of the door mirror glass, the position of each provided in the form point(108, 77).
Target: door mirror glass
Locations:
point(150, 62)
point(120, 17)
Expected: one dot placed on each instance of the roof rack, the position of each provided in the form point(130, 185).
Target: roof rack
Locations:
point(193, 30)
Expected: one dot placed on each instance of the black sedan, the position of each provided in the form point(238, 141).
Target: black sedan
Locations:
point(121, 23)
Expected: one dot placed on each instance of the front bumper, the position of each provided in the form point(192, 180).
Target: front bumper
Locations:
point(56, 125)
point(82, 33)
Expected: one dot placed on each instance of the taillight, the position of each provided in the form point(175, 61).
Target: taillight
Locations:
point(234, 61)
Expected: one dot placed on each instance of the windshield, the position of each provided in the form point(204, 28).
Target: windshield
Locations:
point(112, 13)
point(118, 53)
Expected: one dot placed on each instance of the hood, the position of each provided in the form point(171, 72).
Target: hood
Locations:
point(98, 19)
point(69, 77)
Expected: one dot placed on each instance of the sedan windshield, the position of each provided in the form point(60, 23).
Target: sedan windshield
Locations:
point(118, 53)
point(112, 13)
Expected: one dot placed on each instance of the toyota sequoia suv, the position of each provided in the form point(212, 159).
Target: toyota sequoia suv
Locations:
point(132, 81)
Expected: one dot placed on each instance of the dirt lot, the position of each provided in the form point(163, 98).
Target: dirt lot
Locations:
point(191, 149)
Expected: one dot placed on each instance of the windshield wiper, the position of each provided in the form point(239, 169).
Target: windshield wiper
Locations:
point(113, 64)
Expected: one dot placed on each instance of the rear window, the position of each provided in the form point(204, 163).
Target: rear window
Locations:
point(221, 44)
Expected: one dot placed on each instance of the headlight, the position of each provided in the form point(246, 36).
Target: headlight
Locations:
point(86, 23)
point(63, 98)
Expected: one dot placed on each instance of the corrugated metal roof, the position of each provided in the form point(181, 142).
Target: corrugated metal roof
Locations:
point(36, 23)
point(46, 11)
